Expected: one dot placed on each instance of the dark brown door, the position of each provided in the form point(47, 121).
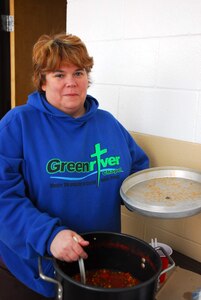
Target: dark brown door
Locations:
point(31, 19)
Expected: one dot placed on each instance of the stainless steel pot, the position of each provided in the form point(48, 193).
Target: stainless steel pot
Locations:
point(111, 251)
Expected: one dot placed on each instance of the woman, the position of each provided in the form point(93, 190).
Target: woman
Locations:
point(62, 162)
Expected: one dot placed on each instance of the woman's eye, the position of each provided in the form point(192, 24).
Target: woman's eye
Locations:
point(59, 75)
point(79, 73)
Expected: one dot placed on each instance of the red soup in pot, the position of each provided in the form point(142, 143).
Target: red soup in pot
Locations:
point(106, 278)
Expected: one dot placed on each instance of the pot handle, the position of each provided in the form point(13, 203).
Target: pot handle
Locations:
point(49, 279)
point(171, 261)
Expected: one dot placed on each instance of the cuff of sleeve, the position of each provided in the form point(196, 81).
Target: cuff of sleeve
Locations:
point(52, 236)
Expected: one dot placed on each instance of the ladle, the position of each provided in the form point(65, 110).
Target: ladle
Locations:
point(81, 266)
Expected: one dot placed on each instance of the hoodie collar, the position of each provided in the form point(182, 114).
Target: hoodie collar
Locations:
point(39, 102)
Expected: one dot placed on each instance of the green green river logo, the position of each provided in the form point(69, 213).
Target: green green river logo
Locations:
point(98, 165)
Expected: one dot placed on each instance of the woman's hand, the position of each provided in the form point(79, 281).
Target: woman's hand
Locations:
point(65, 247)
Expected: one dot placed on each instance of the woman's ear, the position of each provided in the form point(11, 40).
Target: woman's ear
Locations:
point(43, 82)
point(43, 87)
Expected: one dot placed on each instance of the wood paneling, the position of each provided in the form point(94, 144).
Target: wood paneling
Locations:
point(169, 152)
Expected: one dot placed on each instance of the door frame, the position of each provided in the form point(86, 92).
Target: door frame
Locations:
point(5, 74)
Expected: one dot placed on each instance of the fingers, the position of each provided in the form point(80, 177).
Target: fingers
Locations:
point(79, 239)
point(68, 245)
point(80, 242)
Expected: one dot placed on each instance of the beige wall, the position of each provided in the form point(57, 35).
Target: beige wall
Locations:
point(182, 234)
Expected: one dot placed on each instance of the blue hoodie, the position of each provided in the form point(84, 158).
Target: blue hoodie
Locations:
point(58, 172)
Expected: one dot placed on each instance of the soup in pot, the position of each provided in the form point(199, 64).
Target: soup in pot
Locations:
point(106, 278)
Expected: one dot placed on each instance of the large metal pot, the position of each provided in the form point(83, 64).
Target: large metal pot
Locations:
point(111, 251)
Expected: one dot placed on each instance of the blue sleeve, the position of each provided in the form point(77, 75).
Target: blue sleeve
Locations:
point(23, 228)
point(140, 160)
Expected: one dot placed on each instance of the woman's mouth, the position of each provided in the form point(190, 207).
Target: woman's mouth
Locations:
point(71, 94)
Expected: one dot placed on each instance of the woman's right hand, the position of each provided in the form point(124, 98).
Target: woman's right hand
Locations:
point(65, 247)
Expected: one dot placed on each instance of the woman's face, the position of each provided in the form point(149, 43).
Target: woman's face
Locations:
point(66, 89)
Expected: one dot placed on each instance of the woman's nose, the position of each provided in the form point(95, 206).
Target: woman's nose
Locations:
point(70, 81)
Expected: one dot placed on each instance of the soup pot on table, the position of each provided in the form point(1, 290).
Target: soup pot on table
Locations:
point(113, 251)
